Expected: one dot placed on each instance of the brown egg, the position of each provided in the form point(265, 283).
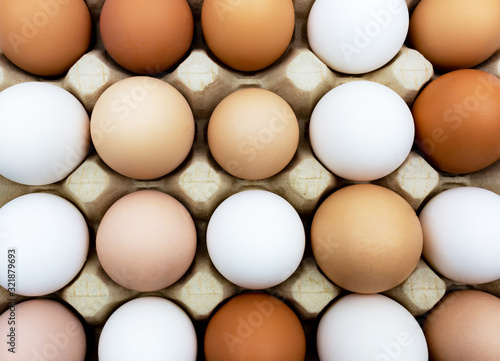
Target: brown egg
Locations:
point(44, 37)
point(142, 127)
point(457, 121)
point(253, 133)
point(146, 241)
point(366, 238)
point(248, 35)
point(454, 34)
point(41, 329)
point(254, 326)
point(465, 326)
point(148, 36)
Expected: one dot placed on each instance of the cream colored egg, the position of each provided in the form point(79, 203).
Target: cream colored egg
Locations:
point(142, 127)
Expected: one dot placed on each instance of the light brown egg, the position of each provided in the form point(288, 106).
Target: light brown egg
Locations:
point(142, 127)
point(44, 37)
point(457, 121)
point(41, 329)
point(254, 326)
point(454, 34)
point(146, 241)
point(147, 36)
point(366, 238)
point(248, 35)
point(464, 326)
point(253, 133)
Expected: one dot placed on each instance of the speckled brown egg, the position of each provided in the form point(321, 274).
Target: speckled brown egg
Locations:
point(366, 238)
point(248, 35)
point(148, 36)
point(454, 34)
point(465, 326)
point(254, 326)
point(44, 37)
point(457, 121)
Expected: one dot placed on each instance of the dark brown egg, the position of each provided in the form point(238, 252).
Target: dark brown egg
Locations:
point(254, 326)
point(148, 36)
point(457, 121)
point(44, 37)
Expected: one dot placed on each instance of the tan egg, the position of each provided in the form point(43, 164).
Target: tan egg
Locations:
point(254, 326)
point(148, 36)
point(146, 241)
point(248, 35)
point(41, 329)
point(44, 37)
point(253, 133)
point(464, 326)
point(366, 238)
point(454, 34)
point(142, 127)
point(457, 121)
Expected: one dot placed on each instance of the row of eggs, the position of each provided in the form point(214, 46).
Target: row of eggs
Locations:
point(255, 325)
point(144, 128)
point(48, 37)
point(364, 237)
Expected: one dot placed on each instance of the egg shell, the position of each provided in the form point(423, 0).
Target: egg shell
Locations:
point(457, 121)
point(148, 328)
point(359, 36)
point(148, 37)
point(455, 34)
point(254, 326)
point(369, 327)
point(44, 133)
point(248, 35)
point(361, 130)
point(42, 329)
point(366, 238)
point(146, 240)
point(45, 240)
point(464, 326)
point(255, 239)
point(44, 37)
point(253, 133)
point(462, 234)
point(142, 127)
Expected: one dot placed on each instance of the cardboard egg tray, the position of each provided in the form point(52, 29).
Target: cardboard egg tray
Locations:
point(201, 185)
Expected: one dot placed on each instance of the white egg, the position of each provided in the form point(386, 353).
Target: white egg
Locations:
point(44, 133)
point(369, 328)
point(148, 328)
point(255, 239)
point(461, 228)
point(357, 36)
point(44, 241)
point(361, 130)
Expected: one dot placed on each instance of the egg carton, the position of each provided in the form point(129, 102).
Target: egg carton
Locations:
point(201, 185)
